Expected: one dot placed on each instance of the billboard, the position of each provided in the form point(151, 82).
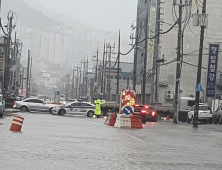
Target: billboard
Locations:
point(212, 71)
point(113, 71)
point(152, 33)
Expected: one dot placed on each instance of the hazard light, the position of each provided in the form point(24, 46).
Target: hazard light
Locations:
point(153, 113)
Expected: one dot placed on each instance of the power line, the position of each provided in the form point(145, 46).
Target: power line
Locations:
point(193, 65)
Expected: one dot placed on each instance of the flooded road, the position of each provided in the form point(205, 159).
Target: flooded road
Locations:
point(78, 142)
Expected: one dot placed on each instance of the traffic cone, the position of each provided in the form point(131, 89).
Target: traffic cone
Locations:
point(17, 123)
point(167, 118)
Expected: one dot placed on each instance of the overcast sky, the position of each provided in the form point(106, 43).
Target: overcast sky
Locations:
point(107, 15)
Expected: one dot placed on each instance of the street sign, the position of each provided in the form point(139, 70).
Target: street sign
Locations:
point(212, 71)
point(127, 110)
point(199, 88)
point(127, 102)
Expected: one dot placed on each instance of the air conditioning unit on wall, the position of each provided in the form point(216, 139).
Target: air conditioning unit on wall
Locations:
point(169, 95)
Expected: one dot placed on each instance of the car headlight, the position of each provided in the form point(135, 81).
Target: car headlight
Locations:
point(64, 102)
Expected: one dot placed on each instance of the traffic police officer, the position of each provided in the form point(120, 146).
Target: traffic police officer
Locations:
point(98, 104)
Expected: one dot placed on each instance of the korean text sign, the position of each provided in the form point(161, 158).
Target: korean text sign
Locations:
point(212, 70)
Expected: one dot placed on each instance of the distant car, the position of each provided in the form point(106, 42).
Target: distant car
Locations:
point(2, 105)
point(34, 95)
point(217, 115)
point(204, 114)
point(33, 104)
point(75, 108)
point(147, 113)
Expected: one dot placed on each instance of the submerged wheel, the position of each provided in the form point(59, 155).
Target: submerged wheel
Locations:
point(24, 109)
point(62, 112)
point(90, 113)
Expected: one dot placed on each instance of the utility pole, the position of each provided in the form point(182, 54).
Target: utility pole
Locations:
point(103, 69)
point(30, 79)
point(77, 84)
point(127, 87)
point(145, 59)
point(73, 78)
point(109, 80)
point(27, 81)
point(135, 55)
point(96, 72)
point(105, 77)
point(7, 57)
point(176, 99)
point(80, 79)
point(87, 67)
point(197, 99)
point(157, 52)
point(118, 67)
point(83, 84)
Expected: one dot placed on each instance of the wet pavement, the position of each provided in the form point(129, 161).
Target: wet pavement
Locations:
point(77, 142)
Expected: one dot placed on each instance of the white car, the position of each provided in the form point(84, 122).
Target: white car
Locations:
point(75, 108)
point(33, 104)
point(204, 113)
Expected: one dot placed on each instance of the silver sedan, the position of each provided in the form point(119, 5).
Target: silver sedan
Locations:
point(33, 104)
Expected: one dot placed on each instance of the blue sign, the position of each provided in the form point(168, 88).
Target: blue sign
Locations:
point(199, 88)
point(212, 70)
point(127, 110)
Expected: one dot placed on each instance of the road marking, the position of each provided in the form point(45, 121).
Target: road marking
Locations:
point(134, 137)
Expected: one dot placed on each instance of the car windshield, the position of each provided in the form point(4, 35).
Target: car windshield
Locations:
point(203, 108)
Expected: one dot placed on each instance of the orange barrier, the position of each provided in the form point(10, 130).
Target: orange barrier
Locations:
point(111, 120)
point(136, 122)
point(17, 123)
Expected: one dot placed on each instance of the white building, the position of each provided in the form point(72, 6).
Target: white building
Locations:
point(56, 47)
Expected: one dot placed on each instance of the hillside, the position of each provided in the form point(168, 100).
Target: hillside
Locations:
point(27, 15)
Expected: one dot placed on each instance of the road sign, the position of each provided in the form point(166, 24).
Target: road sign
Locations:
point(127, 110)
point(212, 70)
point(199, 88)
point(127, 102)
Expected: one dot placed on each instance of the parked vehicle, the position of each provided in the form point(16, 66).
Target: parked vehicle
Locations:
point(75, 108)
point(204, 114)
point(34, 95)
point(217, 115)
point(33, 104)
point(149, 113)
point(2, 105)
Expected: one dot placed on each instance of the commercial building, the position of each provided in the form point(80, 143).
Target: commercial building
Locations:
point(168, 44)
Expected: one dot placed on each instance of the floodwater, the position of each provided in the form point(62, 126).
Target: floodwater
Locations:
point(77, 142)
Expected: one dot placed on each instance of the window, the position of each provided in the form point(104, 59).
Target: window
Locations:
point(29, 100)
point(38, 101)
point(85, 104)
point(76, 104)
point(203, 107)
point(34, 101)
point(191, 103)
